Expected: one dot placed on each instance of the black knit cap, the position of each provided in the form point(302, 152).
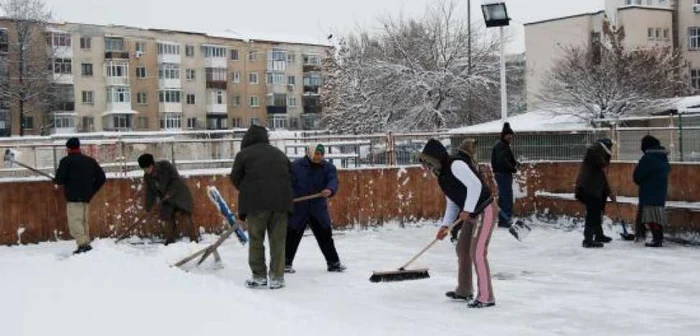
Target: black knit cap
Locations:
point(146, 160)
point(606, 142)
point(73, 143)
point(506, 130)
point(650, 142)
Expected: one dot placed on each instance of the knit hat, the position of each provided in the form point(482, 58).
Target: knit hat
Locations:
point(468, 146)
point(506, 130)
point(73, 143)
point(146, 160)
point(650, 142)
point(313, 148)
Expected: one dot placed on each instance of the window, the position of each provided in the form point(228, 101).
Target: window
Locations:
point(277, 60)
point(117, 69)
point(168, 49)
point(171, 121)
point(62, 66)
point(169, 96)
point(274, 78)
point(312, 60)
point(88, 124)
point(219, 97)
point(191, 123)
point(695, 78)
point(254, 101)
point(254, 121)
point(292, 102)
point(216, 74)
point(85, 42)
point(650, 33)
point(217, 52)
point(28, 122)
point(141, 98)
point(143, 122)
point(121, 122)
point(694, 38)
point(141, 72)
point(291, 58)
point(118, 95)
point(294, 123)
point(236, 77)
point(169, 71)
point(88, 97)
point(141, 47)
point(666, 34)
point(291, 80)
point(252, 56)
point(277, 99)
point(64, 122)
point(189, 51)
point(253, 78)
point(658, 33)
point(234, 54)
point(278, 122)
point(312, 79)
point(86, 69)
point(58, 39)
point(190, 74)
point(236, 123)
point(191, 100)
point(236, 101)
point(114, 44)
point(4, 42)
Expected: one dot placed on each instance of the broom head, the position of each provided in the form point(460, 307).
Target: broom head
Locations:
point(399, 275)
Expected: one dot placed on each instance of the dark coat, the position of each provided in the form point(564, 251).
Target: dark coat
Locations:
point(166, 182)
point(262, 174)
point(310, 179)
point(592, 180)
point(502, 159)
point(651, 174)
point(81, 176)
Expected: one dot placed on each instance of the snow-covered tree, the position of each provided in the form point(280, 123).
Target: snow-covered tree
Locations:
point(608, 79)
point(413, 74)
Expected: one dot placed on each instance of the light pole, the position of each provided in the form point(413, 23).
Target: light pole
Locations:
point(496, 15)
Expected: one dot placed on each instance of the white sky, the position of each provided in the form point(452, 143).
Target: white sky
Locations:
point(307, 18)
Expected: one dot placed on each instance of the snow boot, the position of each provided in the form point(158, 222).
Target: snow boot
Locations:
point(336, 267)
point(603, 239)
point(454, 296)
point(479, 304)
point(277, 283)
point(592, 244)
point(289, 269)
point(256, 283)
point(83, 249)
point(657, 233)
point(519, 230)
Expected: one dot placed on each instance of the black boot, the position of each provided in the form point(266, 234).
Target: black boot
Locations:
point(336, 267)
point(592, 244)
point(603, 239)
point(83, 249)
point(454, 296)
point(657, 232)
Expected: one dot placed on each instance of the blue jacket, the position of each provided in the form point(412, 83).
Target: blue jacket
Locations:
point(651, 174)
point(309, 179)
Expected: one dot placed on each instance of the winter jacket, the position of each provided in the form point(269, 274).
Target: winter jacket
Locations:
point(81, 176)
point(651, 175)
point(310, 179)
point(502, 159)
point(592, 180)
point(165, 184)
point(460, 181)
point(262, 174)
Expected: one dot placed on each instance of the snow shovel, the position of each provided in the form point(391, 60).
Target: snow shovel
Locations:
point(11, 160)
point(402, 273)
point(625, 235)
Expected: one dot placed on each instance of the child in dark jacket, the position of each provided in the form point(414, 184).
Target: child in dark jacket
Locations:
point(651, 175)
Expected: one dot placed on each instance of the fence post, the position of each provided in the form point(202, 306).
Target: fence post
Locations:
point(680, 135)
point(55, 158)
point(172, 153)
point(615, 136)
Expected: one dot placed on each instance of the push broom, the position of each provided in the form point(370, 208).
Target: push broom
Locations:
point(402, 273)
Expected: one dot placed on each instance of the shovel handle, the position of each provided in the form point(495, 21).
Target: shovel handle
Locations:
point(427, 247)
point(306, 198)
point(33, 169)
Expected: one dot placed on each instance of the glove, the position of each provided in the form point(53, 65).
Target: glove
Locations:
point(455, 232)
point(442, 232)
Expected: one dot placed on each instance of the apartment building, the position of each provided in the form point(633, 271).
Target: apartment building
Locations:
point(647, 23)
point(116, 78)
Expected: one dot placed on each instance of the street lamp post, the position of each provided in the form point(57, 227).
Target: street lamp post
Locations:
point(496, 15)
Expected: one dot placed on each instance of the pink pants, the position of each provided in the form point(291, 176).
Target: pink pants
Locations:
point(481, 263)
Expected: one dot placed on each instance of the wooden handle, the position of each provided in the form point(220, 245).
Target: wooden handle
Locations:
point(427, 247)
point(306, 198)
point(33, 169)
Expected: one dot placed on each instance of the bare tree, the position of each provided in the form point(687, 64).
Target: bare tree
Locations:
point(607, 79)
point(27, 65)
point(412, 75)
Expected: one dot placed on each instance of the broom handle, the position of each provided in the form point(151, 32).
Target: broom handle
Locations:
point(428, 247)
point(33, 169)
point(306, 198)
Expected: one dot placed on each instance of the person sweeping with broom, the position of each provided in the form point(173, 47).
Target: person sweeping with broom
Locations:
point(468, 197)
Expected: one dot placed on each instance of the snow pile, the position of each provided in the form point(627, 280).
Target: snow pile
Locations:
point(535, 121)
point(543, 286)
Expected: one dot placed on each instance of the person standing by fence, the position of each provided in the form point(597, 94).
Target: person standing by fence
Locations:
point(504, 165)
point(82, 177)
point(593, 190)
point(651, 175)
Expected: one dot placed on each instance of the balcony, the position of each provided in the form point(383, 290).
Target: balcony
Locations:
point(169, 83)
point(214, 84)
point(169, 58)
point(311, 67)
point(277, 109)
point(312, 109)
point(312, 90)
point(119, 106)
point(62, 78)
point(117, 81)
point(61, 52)
point(216, 109)
point(117, 55)
point(64, 107)
point(170, 107)
point(216, 62)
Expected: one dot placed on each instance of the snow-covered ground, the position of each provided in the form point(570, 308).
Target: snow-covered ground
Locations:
point(547, 285)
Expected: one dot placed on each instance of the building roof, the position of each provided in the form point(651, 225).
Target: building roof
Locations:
point(565, 17)
point(535, 121)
